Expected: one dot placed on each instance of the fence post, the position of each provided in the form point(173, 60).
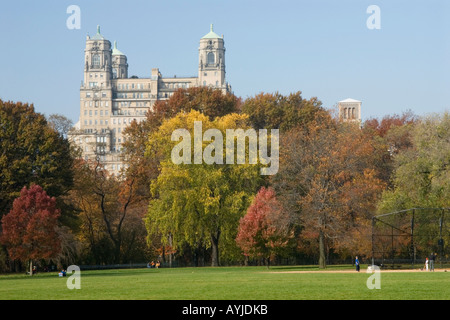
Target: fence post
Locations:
point(412, 240)
point(373, 241)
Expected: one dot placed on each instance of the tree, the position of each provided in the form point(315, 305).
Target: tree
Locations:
point(275, 111)
point(390, 135)
point(327, 180)
point(60, 124)
point(30, 228)
point(265, 230)
point(421, 175)
point(31, 152)
point(198, 204)
point(109, 210)
point(211, 102)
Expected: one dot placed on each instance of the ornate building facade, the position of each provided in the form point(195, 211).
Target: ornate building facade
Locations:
point(110, 100)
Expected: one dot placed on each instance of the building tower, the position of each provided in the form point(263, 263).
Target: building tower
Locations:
point(211, 70)
point(350, 110)
point(97, 64)
point(119, 64)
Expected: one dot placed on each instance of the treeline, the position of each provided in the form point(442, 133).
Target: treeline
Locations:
point(333, 178)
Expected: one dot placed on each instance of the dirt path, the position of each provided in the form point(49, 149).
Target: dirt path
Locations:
point(353, 271)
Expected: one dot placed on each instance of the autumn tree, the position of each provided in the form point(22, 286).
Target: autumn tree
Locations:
point(328, 181)
point(110, 213)
point(390, 135)
point(199, 204)
point(276, 111)
point(211, 102)
point(266, 229)
point(31, 152)
point(30, 228)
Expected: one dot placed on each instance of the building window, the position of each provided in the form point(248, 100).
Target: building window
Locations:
point(96, 60)
point(211, 58)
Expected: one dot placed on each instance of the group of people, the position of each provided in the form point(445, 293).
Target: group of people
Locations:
point(429, 262)
point(154, 264)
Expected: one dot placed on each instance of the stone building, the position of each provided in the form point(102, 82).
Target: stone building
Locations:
point(110, 99)
point(350, 110)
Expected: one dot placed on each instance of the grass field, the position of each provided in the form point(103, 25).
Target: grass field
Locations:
point(229, 283)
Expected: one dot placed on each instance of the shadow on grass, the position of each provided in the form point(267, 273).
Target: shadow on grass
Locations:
point(84, 273)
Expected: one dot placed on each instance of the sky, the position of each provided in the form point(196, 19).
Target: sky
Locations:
point(322, 48)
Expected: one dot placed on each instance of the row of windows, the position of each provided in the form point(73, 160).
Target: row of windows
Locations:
point(95, 122)
point(127, 86)
point(96, 103)
point(95, 75)
point(96, 94)
point(96, 113)
point(125, 112)
point(175, 85)
point(349, 113)
point(134, 95)
point(131, 104)
point(105, 122)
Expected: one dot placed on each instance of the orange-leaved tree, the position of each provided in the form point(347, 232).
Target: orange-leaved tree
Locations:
point(265, 230)
point(328, 182)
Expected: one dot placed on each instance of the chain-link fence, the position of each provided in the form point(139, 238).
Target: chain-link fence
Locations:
point(405, 239)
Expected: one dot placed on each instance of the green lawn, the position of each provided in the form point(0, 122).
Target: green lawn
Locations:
point(228, 283)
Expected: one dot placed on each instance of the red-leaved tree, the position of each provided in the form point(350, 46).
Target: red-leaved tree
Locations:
point(30, 228)
point(265, 230)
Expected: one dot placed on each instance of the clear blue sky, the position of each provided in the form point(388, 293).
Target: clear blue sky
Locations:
point(320, 47)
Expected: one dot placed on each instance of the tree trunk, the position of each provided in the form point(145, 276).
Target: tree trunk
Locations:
point(171, 249)
point(215, 249)
point(322, 261)
point(31, 267)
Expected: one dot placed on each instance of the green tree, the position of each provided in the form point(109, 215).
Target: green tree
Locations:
point(421, 173)
point(199, 204)
point(211, 102)
point(31, 152)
